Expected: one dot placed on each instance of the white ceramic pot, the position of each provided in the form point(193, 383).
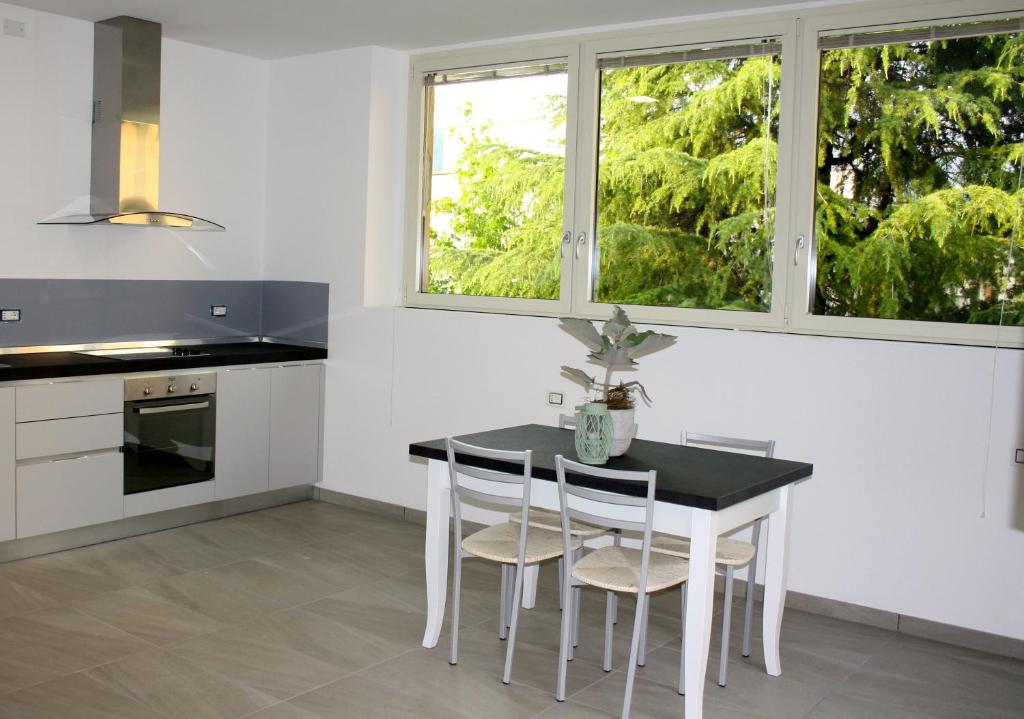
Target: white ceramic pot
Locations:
point(623, 430)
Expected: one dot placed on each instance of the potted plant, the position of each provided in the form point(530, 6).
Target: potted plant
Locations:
point(615, 347)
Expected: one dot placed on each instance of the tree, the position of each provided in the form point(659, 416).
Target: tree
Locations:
point(920, 147)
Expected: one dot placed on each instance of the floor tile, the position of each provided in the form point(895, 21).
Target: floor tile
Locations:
point(326, 564)
point(210, 544)
point(53, 642)
point(17, 599)
point(76, 696)
point(128, 562)
point(177, 688)
point(145, 614)
point(59, 578)
point(415, 685)
point(283, 654)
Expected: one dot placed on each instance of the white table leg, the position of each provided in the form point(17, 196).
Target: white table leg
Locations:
point(776, 558)
point(699, 604)
point(530, 586)
point(436, 550)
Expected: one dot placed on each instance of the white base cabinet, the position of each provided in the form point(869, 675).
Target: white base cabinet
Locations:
point(295, 425)
point(7, 476)
point(64, 494)
point(243, 432)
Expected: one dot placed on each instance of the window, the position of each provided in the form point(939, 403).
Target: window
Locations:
point(686, 178)
point(493, 199)
point(853, 174)
point(919, 158)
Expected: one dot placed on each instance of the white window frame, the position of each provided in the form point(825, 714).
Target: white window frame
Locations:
point(792, 281)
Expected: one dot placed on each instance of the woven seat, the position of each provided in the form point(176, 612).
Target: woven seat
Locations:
point(552, 521)
point(617, 569)
point(500, 543)
point(732, 552)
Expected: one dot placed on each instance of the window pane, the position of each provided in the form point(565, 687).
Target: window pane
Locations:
point(686, 180)
point(919, 159)
point(493, 205)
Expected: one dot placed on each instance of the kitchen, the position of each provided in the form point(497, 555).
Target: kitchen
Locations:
point(296, 143)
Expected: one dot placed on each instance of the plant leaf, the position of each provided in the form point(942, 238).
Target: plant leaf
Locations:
point(649, 342)
point(583, 330)
point(578, 376)
point(619, 327)
point(614, 356)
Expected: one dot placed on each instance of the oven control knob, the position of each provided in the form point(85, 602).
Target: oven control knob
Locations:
point(194, 386)
point(147, 391)
point(171, 389)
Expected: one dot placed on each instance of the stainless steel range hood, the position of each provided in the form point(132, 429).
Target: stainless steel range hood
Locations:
point(125, 187)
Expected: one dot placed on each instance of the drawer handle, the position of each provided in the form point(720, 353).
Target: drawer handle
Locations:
point(173, 408)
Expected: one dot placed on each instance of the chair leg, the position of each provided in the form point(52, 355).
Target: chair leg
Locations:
point(751, 588)
point(517, 600)
point(561, 581)
point(726, 621)
point(564, 643)
point(609, 621)
point(509, 587)
point(683, 590)
point(634, 645)
point(577, 610)
point(503, 602)
point(617, 540)
point(642, 658)
point(453, 655)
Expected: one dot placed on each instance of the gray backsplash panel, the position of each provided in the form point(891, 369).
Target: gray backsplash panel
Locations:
point(59, 312)
point(295, 311)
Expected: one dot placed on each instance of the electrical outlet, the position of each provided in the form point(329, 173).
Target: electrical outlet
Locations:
point(10, 315)
point(14, 28)
point(556, 399)
point(219, 310)
point(1019, 457)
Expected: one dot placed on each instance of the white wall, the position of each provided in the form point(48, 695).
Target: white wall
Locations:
point(213, 152)
point(898, 432)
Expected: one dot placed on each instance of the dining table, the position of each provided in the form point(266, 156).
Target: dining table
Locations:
point(700, 493)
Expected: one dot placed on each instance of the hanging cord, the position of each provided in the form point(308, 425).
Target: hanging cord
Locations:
point(995, 350)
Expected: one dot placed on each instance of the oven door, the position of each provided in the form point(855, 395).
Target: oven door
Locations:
point(168, 442)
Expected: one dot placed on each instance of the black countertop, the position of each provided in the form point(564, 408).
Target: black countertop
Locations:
point(692, 476)
point(43, 365)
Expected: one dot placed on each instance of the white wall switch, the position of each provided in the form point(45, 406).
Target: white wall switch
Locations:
point(10, 315)
point(555, 399)
point(14, 28)
point(219, 310)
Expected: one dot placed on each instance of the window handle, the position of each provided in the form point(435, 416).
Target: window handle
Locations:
point(581, 242)
point(800, 242)
point(566, 241)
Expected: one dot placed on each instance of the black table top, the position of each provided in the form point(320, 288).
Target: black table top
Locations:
point(691, 476)
point(43, 365)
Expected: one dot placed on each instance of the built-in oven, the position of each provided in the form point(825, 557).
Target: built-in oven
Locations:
point(169, 430)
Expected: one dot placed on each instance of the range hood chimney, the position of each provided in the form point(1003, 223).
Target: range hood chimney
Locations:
point(125, 186)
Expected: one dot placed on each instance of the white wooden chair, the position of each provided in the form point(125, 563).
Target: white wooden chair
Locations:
point(615, 568)
point(512, 545)
point(731, 554)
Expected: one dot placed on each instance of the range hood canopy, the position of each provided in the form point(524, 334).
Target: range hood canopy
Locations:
point(125, 186)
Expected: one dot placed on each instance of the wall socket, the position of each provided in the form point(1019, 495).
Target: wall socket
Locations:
point(556, 399)
point(14, 28)
point(218, 310)
point(10, 315)
point(1019, 456)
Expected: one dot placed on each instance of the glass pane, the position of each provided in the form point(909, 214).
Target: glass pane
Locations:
point(919, 156)
point(686, 183)
point(493, 210)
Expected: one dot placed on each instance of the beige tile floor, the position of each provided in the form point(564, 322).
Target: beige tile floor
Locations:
point(311, 611)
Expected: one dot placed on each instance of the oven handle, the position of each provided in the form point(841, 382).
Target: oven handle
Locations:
point(172, 408)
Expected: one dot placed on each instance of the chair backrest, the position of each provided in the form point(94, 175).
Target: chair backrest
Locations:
point(491, 486)
point(763, 447)
point(567, 421)
point(606, 508)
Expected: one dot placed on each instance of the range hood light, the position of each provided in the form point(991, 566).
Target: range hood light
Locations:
point(126, 132)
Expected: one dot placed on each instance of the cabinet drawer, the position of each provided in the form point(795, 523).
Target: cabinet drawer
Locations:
point(53, 496)
point(69, 399)
point(69, 436)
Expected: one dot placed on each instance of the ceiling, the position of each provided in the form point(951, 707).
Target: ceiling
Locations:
point(272, 28)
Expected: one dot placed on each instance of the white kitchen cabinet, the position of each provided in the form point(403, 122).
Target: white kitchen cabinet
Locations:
point(75, 398)
point(243, 431)
point(7, 475)
point(295, 425)
point(69, 493)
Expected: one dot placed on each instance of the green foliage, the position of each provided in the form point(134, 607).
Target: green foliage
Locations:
point(920, 153)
